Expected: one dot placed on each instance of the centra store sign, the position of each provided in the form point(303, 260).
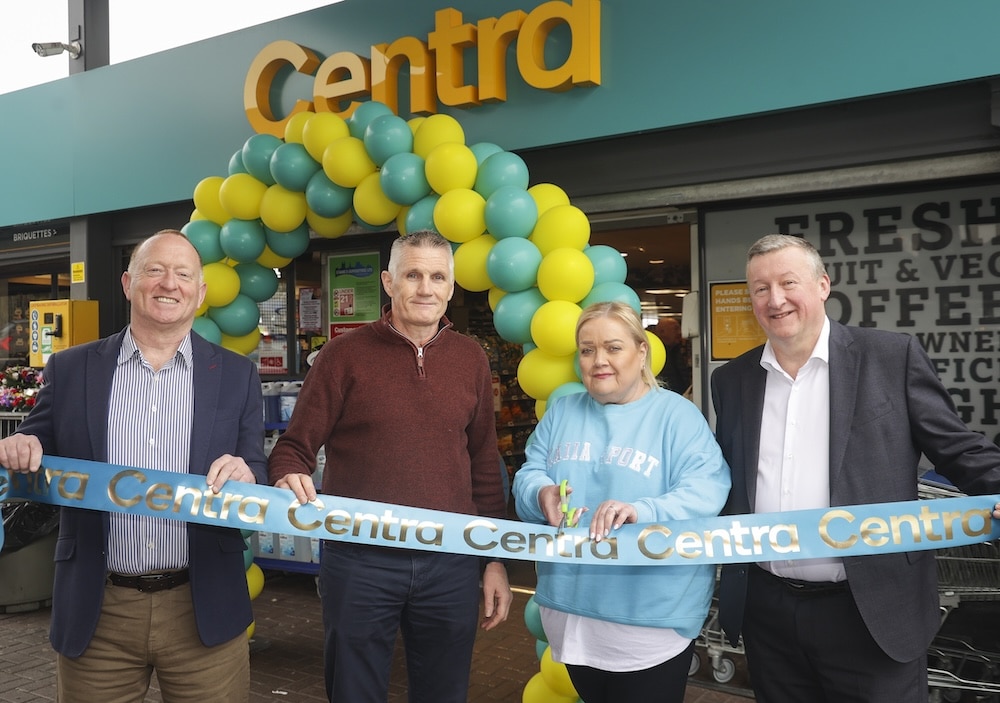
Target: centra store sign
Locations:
point(436, 65)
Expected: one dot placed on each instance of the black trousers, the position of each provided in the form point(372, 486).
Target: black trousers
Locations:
point(812, 645)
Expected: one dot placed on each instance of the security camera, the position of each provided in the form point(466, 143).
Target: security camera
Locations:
point(54, 48)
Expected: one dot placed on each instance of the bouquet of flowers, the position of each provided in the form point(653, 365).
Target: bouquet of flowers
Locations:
point(18, 387)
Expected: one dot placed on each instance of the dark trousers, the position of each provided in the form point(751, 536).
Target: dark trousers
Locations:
point(370, 594)
point(812, 645)
point(663, 683)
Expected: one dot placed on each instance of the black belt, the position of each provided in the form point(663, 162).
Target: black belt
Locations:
point(151, 583)
point(807, 588)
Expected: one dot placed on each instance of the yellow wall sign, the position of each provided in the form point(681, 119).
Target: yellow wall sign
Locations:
point(78, 272)
point(436, 65)
point(734, 327)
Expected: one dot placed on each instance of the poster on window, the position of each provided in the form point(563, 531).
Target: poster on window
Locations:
point(355, 290)
point(926, 263)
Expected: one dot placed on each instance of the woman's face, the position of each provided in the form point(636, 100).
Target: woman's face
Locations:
point(611, 362)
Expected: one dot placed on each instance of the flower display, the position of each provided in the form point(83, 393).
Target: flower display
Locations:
point(18, 388)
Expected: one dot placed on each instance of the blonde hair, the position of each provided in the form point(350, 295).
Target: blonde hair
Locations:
point(626, 314)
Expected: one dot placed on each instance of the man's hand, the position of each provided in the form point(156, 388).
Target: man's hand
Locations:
point(228, 467)
point(299, 484)
point(21, 453)
point(497, 595)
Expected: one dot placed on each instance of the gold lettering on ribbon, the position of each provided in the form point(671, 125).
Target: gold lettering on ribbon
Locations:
point(568, 545)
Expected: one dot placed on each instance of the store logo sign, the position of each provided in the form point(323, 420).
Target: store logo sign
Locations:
point(436, 65)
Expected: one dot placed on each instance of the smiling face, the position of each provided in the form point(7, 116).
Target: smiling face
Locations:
point(788, 295)
point(164, 284)
point(611, 361)
point(420, 284)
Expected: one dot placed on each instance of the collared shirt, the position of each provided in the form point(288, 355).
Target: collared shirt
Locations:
point(793, 470)
point(149, 427)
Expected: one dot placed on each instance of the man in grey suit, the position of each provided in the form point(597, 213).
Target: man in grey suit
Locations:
point(824, 414)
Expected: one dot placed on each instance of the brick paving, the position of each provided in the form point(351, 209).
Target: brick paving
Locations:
point(287, 648)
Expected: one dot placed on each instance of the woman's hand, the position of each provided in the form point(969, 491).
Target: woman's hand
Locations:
point(610, 515)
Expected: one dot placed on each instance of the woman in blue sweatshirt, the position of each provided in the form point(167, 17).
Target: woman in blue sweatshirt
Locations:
point(631, 452)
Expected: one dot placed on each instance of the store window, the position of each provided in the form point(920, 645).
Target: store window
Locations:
point(17, 290)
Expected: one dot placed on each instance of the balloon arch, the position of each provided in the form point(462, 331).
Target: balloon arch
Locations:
point(527, 246)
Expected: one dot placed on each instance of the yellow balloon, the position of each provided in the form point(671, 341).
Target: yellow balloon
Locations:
point(556, 675)
point(322, 130)
point(200, 312)
point(537, 691)
point(401, 219)
point(240, 195)
point(553, 327)
point(245, 345)
point(494, 297)
point(206, 199)
point(414, 123)
point(330, 227)
point(295, 126)
point(449, 166)
point(251, 629)
point(540, 373)
point(255, 581)
point(540, 408)
point(565, 274)
point(371, 203)
point(346, 162)
point(434, 131)
point(470, 263)
point(281, 209)
point(196, 215)
point(460, 215)
point(657, 352)
point(222, 284)
point(270, 260)
point(561, 226)
point(547, 196)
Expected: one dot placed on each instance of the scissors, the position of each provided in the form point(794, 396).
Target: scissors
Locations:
point(568, 513)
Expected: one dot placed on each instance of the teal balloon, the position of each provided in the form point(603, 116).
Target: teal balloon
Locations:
point(421, 214)
point(292, 167)
point(363, 115)
point(207, 329)
point(242, 240)
point(511, 212)
point(247, 558)
point(257, 152)
point(503, 168)
point(237, 319)
point(403, 179)
point(386, 136)
point(484, 150)
point(570, 388)
point(512, 264)
point(236, 163)
point(204, 237)
point(246, 533)
point(527, 347)
point(533, 620)
point(609, 264)
point(259, 283)
point(609, 292)
point(290, 245)
point(540, 647)
point(326, 198)
point(513, 313)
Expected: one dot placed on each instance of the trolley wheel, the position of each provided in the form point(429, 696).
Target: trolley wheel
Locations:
point(724, 671)
point(695, 664)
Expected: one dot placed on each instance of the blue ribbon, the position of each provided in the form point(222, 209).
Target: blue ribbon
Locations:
point(804, 534)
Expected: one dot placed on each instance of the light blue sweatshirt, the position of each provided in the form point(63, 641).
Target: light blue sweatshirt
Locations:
point(657, 453)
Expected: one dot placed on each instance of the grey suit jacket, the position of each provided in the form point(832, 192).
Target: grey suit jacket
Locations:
point(71, 420)
point(887, 406)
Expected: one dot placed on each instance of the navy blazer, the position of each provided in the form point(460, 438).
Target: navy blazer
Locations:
point(71, 420)
point(887, 406)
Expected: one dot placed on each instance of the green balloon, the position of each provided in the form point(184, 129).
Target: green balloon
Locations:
point(204, 237)
point(237, 319)
point(242, 240)
point(257, 282)
point(207, 329)
point(288, 244)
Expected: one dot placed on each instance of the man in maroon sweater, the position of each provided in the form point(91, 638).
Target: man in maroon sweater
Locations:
point(404, 407)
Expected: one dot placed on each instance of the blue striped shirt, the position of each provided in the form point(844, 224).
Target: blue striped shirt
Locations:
point(149, 427)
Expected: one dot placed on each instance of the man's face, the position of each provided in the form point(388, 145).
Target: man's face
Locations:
point(420, 290)
point(787, 296)
point(165, 286)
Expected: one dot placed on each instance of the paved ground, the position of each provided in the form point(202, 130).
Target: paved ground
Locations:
point(286, 659)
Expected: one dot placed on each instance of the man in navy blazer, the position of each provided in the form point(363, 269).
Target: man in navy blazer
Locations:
point(188, 618)
point(822, 415)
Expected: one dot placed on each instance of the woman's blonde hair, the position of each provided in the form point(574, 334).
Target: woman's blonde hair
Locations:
point(626, 314)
